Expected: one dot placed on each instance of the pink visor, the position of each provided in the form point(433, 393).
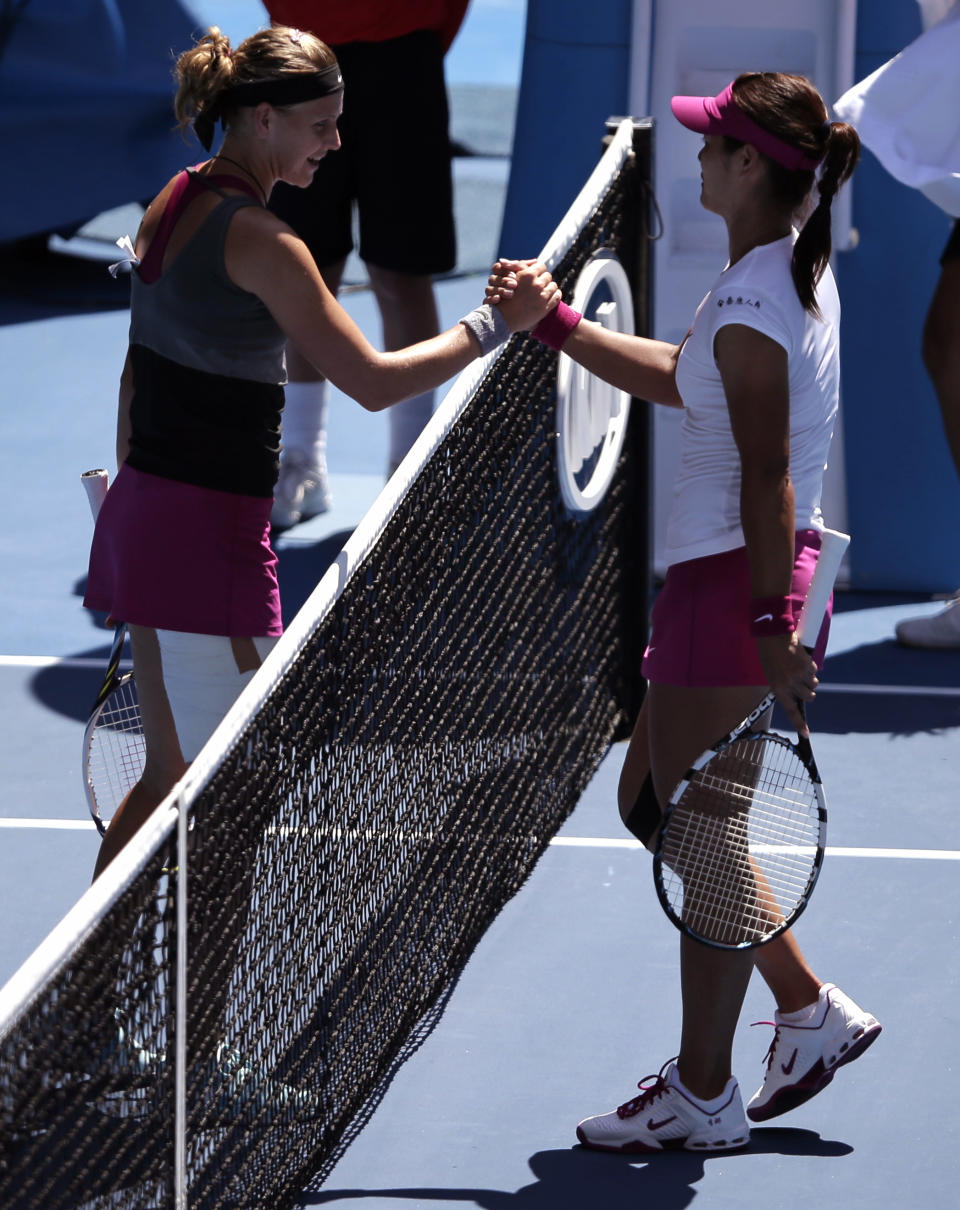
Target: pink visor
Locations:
point(722, 115)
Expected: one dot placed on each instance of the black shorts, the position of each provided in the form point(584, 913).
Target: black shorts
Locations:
point(952, 250)
point(394, 162)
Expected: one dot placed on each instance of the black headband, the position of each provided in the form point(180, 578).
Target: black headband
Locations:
point(286, 90)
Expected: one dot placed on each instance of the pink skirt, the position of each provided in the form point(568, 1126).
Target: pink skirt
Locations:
point(178, 557)
point(699, 629)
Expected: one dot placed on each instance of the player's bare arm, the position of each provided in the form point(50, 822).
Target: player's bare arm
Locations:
point(266, 258)
point(642, 367)
point(753, 368)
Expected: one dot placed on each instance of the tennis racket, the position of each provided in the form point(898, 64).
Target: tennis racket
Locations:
point(742, 840)
point(114, 749)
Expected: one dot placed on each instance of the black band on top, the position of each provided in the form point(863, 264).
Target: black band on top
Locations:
point(286, 90)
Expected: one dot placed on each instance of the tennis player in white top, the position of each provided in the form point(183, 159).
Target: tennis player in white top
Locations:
point(758, 379)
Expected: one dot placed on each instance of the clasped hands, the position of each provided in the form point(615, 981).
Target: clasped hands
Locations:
point(524, 291)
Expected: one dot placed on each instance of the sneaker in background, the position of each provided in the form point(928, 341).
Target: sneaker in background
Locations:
point(302, 491)
point(935, 630)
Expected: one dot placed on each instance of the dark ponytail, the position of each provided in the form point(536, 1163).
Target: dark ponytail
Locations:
point(791, 108)
point(811, 252)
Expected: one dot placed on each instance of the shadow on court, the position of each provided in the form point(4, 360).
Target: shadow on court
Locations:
point(38, 284)
point(899, 714)
point(574, 1178)
point(878, 714)
point(300, 567)
point(123, 1158)
point(888, 663)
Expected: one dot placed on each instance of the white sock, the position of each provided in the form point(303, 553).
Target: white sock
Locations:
point(407, 421)
point(305, 420)
point(800, 1015)
point(707, 1106)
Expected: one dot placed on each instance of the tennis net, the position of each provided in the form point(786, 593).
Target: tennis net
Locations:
point(221, 1013)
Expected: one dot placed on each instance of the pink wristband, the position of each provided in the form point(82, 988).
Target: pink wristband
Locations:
point(770, 616)
point(556, 326)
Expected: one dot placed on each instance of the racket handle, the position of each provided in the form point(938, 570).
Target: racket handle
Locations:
point(832, 549)
point(95, 483)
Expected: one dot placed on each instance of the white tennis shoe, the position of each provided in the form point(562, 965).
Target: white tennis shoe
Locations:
point(666, 1117)
point(802, 1058)
point(302, 490)
point(937, 630)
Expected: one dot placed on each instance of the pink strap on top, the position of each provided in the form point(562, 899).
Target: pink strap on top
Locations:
point(188, 185)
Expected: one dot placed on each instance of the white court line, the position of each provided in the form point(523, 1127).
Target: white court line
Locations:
point(60, 825)
point(56, 661)
point(603, 842)
point(569, 842)
point(893, 690)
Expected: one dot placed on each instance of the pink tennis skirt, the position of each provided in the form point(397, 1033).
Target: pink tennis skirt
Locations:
point(699, 628)
point(179, 557)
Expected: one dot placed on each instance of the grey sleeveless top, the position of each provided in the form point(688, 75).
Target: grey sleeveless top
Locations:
point(207, 360)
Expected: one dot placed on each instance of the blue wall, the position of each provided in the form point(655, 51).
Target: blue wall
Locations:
point(86, 115)
point(902, 491)
point(575, 75)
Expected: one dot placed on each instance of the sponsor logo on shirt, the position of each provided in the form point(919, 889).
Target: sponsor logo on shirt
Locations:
point(739, 301)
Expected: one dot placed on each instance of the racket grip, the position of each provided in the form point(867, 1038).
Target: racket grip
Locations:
point(832, 549)
point(95, 483)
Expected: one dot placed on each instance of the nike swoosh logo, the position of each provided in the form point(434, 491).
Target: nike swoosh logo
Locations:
point(652, 1125)
point(764, 617)
point(786, 1068)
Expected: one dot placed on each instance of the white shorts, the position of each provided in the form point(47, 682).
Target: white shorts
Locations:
point(202, 681)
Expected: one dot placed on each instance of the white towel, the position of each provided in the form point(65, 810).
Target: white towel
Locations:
point(908, 113)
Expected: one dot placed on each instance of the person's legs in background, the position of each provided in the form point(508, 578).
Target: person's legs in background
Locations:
point(303, 490)
point(941, 356)
point(408, 309)
point(408, 312)
point(405, 206)
point(403, 192)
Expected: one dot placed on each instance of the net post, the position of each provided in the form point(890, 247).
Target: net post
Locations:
point(180, 1017)
point(637, 261)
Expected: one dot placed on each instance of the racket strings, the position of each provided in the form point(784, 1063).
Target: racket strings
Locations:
point(714, 892)
point(116, 749)
point(742, 842)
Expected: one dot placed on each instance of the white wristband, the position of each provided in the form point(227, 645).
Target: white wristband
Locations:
point(488, 326)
